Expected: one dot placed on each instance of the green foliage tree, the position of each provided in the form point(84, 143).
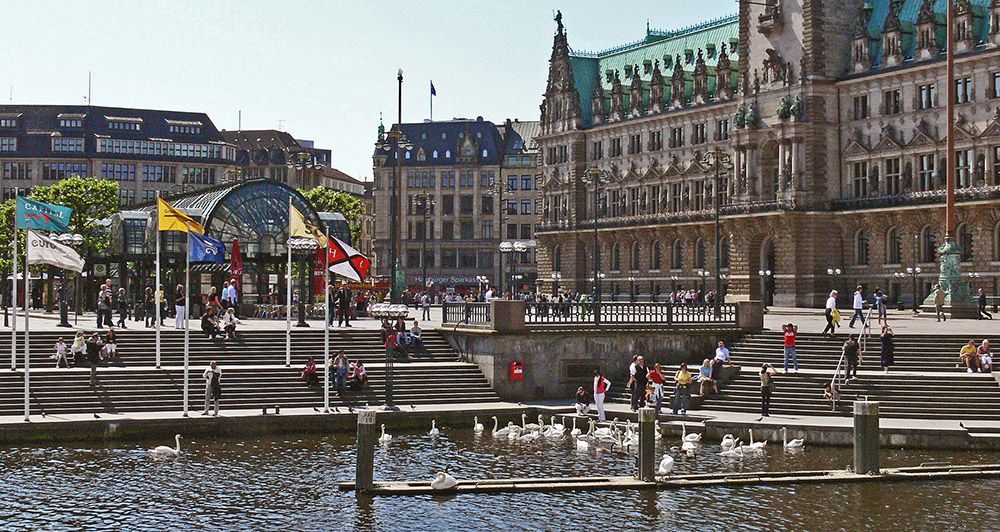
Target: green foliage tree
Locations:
point(331, 200)
point(91, 199)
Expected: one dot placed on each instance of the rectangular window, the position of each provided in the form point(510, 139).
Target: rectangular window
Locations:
point(616, 147)
point(676, 137)
point(413, 258)
point(148, 196)
point(635, 144)
point(723, 128)
point(927, 96)
point(511, 182)
point(56, 171)
point(485, 178)
point(699, 195)
point(926, 172)
point(126, 197)
point(467, 231)
point(892, 181)
point(654, 198)
point(700, 133)
point(8, 143)
point(512, 231)
point(487, 230)
point(963, 168)
point(860, 177)
point(19, 170)
point(485, 258)
point(656, 140)
point(75, 123)
point(526, 182)
point(466, 179)
point(67, 144)
point(448, 179)
point(525, 206)
point(118, 172)
point(525, 231)
point(511, 207)
point(996, 165)
point(449, 258)
point(448, 203)
point(675, 197)
point(447, 230)
point(563, 154)
point(487, 204)
point(963, 90)
point(861, 107)
point(198, 175)
point(465, 204)
point(123, 126)
point(467, 258)
point(8, 123)
point(597, 150)
point(996, 84)
point(892, 102)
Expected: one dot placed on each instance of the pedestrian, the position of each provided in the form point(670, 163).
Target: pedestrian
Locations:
point(344, 299)
point(309, 373)
point(852, 354)
point(60, 356)
point(212, 299)
point(831, 307)
point(767, 373)
point(339, 367)
point(887, 348)
point(213, 387)
point(224, 297)
point(149, 307)
point(582, 406)
point(722, 354)
point(639, 380)
point(939, 303)
point(657, 379)
point(111, 345)
point(103, 305)
point(180, 307)
point(425, 304)
point(985, 357)
point(790, 331)
point(601, 387)
point(880, 308)
point(969, 355)
point(231, 297)
point(858, 306)
point(122, 303)
point(161, 300)
point(706, 381)
point(79, 349)
point(981, 300)
point(94, 356)
point(682, 382)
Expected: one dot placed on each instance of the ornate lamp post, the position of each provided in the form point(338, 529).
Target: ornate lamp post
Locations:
point(73, 240)
point(513, 248)
point(302, 161)
point(705, 274)
point(717, 158)
point(497, 189)
point(303, 247)
point(766, 276)
point(397, 142)
point(483, 281)
point(631, 288)
point(596, 177)
point(913, 273)
point(556, 277)
point(424, 204)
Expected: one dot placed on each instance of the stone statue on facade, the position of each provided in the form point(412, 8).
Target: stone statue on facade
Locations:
point(559, 23)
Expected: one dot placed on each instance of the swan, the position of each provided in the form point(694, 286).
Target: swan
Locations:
point(606, 431)
point(554, 432)
point(558, 427)
point(384, 438)
point(476, 425)
point(659, 433)
point(689, 446)
point(529, 426)
point(797, 443)
point(728, 441)
point(575, 432)
point(434, 430)
point(497, 431)
point(443, 481)
point(529, 437)
point(666, 465)
point(164, 451)
point(756, 446)
point(693, 437)
point(735, 452)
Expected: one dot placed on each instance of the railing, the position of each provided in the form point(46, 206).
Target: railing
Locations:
point(866, 332)
point(628, 313)
point(472, 313)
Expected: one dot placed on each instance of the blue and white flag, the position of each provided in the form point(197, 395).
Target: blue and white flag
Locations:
point(203, 248)
point(33, 214)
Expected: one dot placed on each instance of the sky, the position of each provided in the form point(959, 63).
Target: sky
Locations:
point(321, 70)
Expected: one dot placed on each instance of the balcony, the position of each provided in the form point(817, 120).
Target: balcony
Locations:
point(929, 197)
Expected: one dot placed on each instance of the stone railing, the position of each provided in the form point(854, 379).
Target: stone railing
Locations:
point(929, 197)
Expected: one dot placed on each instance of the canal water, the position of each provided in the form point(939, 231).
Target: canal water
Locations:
point(291, 483)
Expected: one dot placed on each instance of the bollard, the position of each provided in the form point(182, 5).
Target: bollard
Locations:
point(364, 469)
point(866, 437)
point(647, 444)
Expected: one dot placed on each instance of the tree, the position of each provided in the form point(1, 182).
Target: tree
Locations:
point(91, 199)
point(330, 200)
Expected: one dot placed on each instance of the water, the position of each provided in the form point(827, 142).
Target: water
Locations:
point(290, 483)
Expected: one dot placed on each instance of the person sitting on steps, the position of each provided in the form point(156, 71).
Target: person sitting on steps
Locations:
point(969, 356)
point(357, 377)
point(985, 357)
point(210, 323)
point(229, 323)
point(309, 373)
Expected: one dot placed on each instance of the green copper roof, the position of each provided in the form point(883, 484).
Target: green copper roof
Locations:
point(908, 14)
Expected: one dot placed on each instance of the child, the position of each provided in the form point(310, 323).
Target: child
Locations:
point(60, 357)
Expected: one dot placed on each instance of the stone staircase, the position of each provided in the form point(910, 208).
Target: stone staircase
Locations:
point(254, 374)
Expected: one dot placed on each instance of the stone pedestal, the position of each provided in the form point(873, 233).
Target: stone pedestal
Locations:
point(958, 301)
point(749, 315)
point(866, 444)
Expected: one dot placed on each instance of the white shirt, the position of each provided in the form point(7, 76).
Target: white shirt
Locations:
point(489, 295)
point(631, 369)
point(859, 301)
point(831, 303)
point(207, 375)
point(230, 294)
point(722, 353)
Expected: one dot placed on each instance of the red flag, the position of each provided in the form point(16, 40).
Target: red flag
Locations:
point(236, 266)
point(347, 261)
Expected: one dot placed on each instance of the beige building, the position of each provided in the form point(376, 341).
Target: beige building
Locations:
point(832, 126)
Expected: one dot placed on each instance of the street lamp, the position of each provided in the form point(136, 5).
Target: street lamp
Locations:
point(596, 177)
point(73, 240)
point(556, 277)
point(717, 158)
point(766, 276)
point(912, 273)
point(631, 288)
point(497, 188)
point(512, 248)
point(483, 281)
point(704, 274)
point(303, 247)
point(396, 142)
point(424, 203)
point(302, 161)
point(673, 283)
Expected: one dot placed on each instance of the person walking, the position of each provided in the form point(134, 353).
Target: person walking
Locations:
point(887, 348)
point(212, 299)
point(121, 302)
point(149, 307)
point(601, 387)
point(425, 305)
point(939, 303)
point(831, 307)
point(103, 305)
point(230, 298)
point(180, 319)
point(161, 300)
point(682, 384)
point(981, 300)
point(880, 308)
point(858, 306)
point(213, 387)
point(639, 380)
point(657, 380)
point(790, 331)
point(767, 373)
point(852, 354)
point(344, 299)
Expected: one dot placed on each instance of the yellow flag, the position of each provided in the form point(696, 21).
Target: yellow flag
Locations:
point(300, 226)
point(172, 219)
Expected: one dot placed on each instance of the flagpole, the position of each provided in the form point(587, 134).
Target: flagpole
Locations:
point(156, 294)
point(187, 312)
point(432, 103)
point(13, 300)
point(326, 324)
point(27, 346)
point(288, 292)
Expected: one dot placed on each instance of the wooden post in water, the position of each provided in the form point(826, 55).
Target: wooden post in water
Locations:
point(364, 470)
point(647, 444)
point(866, 445)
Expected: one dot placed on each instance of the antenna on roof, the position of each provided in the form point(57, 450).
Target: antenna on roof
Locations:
point(280, 123)
point(11, 94)
point(239, 120)
point(88, 88)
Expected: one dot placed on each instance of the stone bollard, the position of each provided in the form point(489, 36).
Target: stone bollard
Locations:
point(364, 471)
point(647, 444)
point(866, 444)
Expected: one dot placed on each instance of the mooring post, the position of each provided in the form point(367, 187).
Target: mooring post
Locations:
point(364, 471)
point(866, 437)
point(647, 444)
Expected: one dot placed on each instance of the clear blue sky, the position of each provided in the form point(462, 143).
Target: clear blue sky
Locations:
point(325, 69)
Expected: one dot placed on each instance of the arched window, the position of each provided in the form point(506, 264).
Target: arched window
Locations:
point(434, 154)
point(996, 242)
point(447, 154)
point(677, 255)
point(636, 256)
point(928, 244)
point(616, 257)
point(893, 246)
point(699, 254)
point(407, 156)
point(861, 248)
point(725, 252)
point(485, 154)
point(557, 258)
point(655, 256)
point(421, 155)
point(965, 242)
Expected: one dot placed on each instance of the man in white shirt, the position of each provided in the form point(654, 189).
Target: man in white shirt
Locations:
point(831, 305)
point(722, 354)
point(859, 305)
point(489, 294)
point(229, 295)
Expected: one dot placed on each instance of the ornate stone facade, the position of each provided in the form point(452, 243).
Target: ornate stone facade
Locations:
point(829, 116)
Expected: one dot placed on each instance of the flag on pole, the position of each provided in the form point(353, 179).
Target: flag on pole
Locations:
point(301, 227)
point(236, 266)
point(33, 214)
point(44, 250)
point(433, 92)
point(205, 249)
point(346, 261)
point(172, 219)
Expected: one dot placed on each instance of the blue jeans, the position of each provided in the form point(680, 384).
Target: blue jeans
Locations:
point(681, 398)
point(339, 378)
point(658, 394)
point(790, 352)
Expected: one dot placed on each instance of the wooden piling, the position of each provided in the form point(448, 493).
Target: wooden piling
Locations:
point(866, 432)
point(647, 444)
point(364, 470)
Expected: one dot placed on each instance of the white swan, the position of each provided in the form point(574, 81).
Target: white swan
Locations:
point(559, 427)
point(797, 443)
point(659, 432)
point(530, 436)
point(735, 452)
point(607, 431)
point(693, 437)
point(434, 430)
point(575, 432)
point(728, 441)
point(476, 425)
point(529, 426)
point(756, 446)
point(384, 438)
point(689, 446)
point(666, 465)
point(443, 481)
point(167, 452)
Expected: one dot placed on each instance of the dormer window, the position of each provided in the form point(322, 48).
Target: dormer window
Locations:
point(124, 123)
point(447, 154)
point(423, 136)
point(8, 122)
point(434, 154)
point(710, 50)
point(444, 136)
point(421, 155)
point(689, 56)
point(71, 144)
point(407, 156)
point(71, 121)
point(485, 154)
point(184, 127)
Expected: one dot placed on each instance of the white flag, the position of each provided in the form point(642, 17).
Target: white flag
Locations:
point(44, 250)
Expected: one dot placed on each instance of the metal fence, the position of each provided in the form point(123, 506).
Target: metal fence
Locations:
point(628, 313)
point(473, 313)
